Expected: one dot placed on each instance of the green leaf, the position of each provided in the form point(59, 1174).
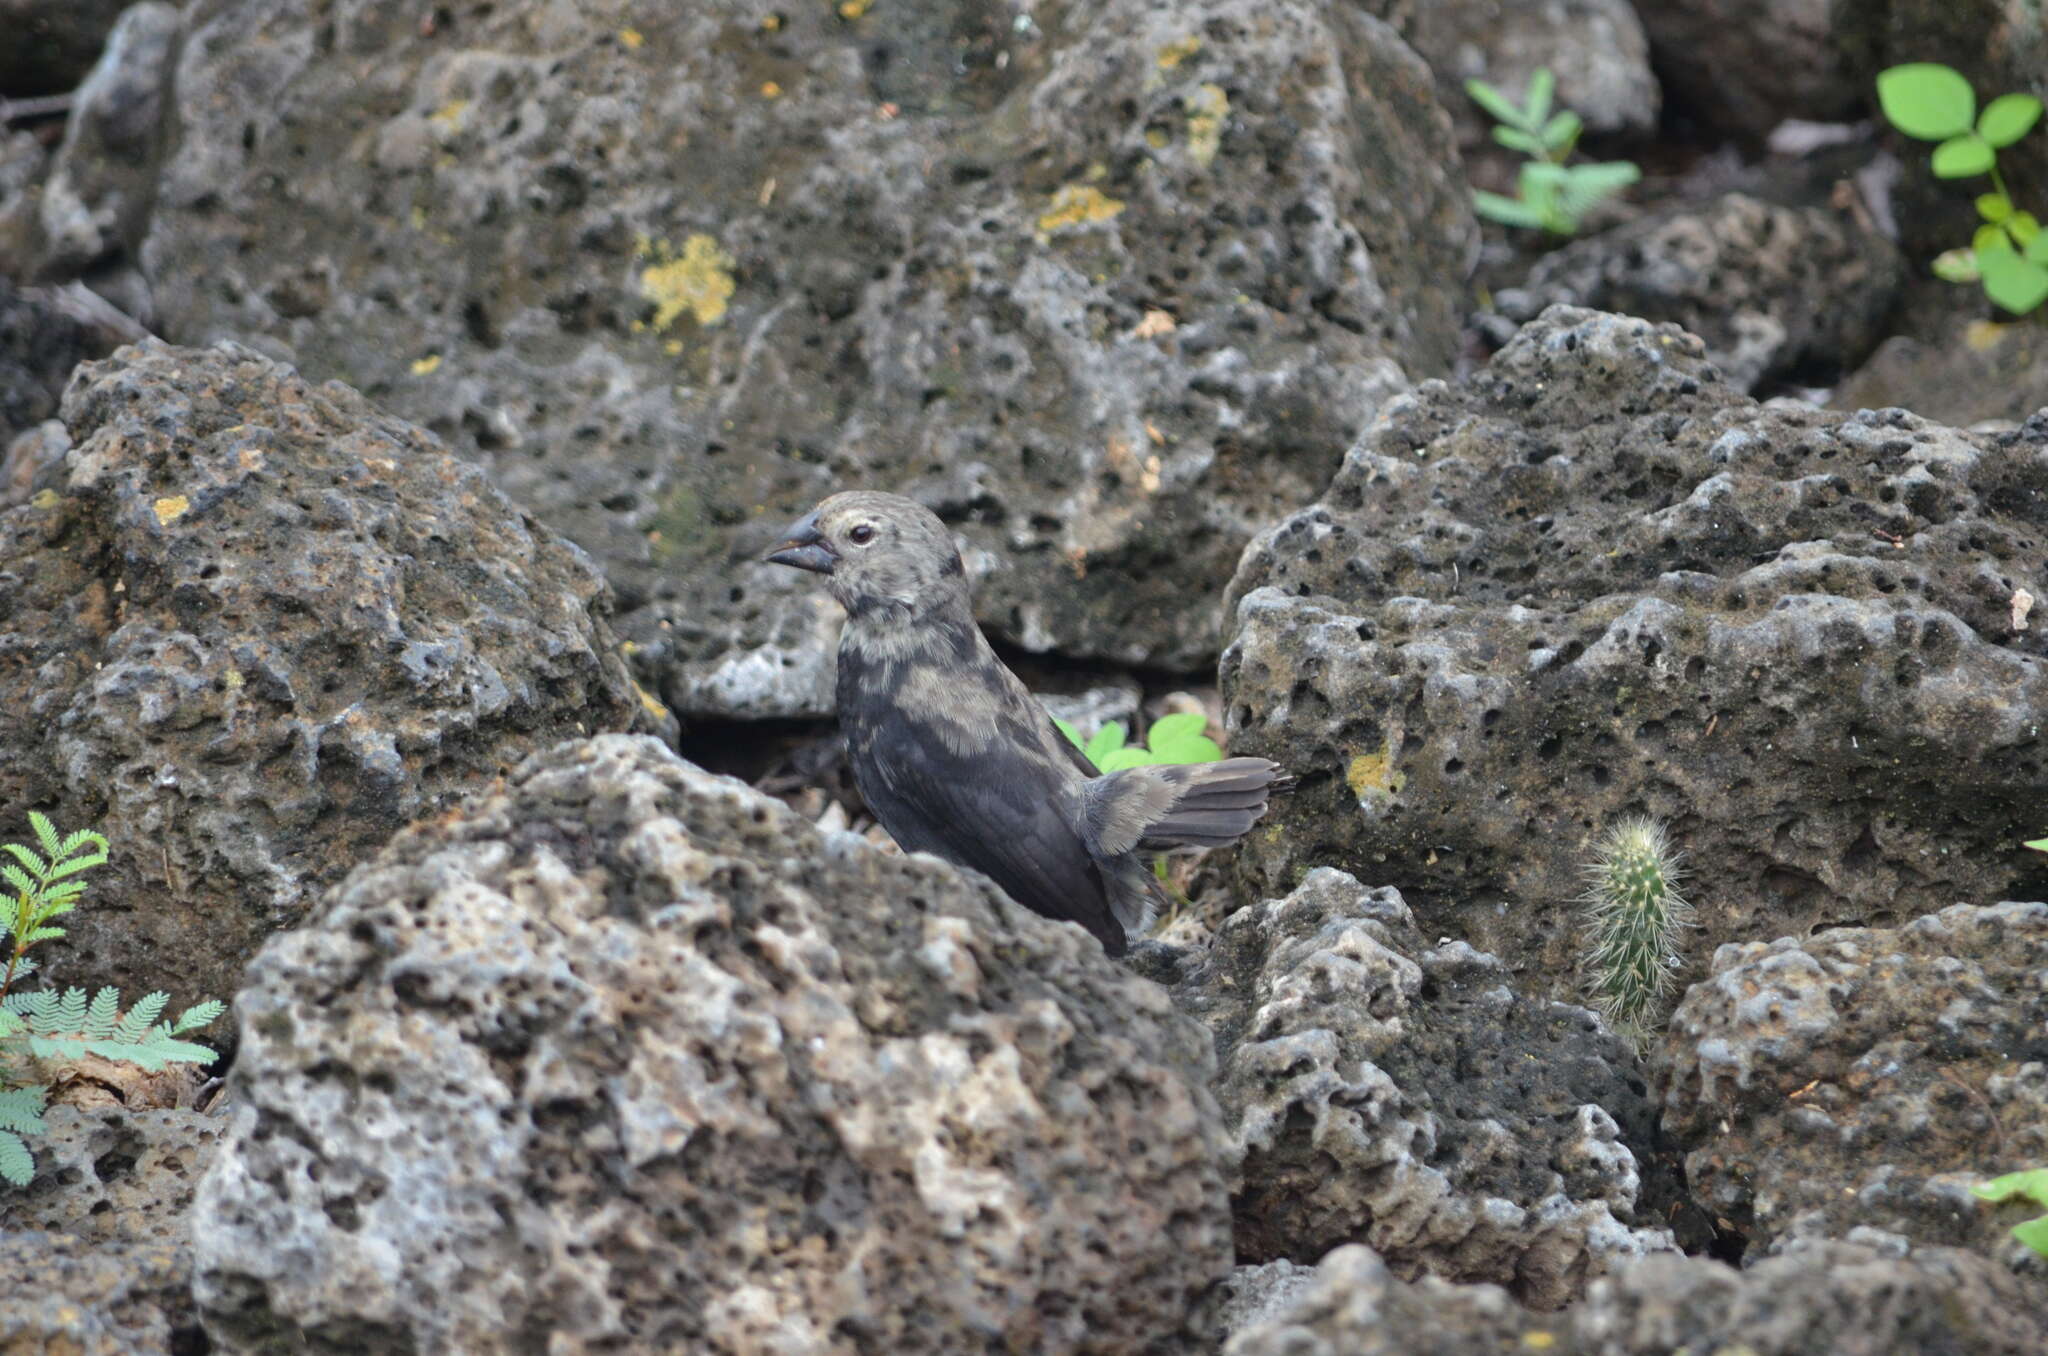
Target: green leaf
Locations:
point(2008, 118)
point(1515, 139)
point(2038, 845)
point(1994, 207)
point(1107, 740)
point(1493, 101)
point(1962, 156)
point(1128, 756)
point(1989, 239)
point(2011, 281)
point(2037, 253)
point(1926, 100)
point(1072, 734)
point(2034, 1233)
point(1507, 211)
point(1561, 133)
point(1195, 748)
point(2022, 227)
point(1536, 98)
point(1179, 725)
point(2032, 1184)
point(17, 879)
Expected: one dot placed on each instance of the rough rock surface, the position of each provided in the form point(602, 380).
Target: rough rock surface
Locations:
point(51, 44)
point(1867, 1077)
point(1976, 371)
point(253, 627)
point(1774, 291)
point(1388, 1093)
point(1744, 66)
point(1104, 284)
point(102, 181)
point(114, 1175)
point(1596, 49)
point(1592, 581)
point(70, 1296)
point(630, 1056)
point(1840, 1298)
point(42, 338)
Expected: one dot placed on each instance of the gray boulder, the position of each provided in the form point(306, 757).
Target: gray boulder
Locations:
point(628, 1055)
point(1593, 581)
point(1840, 1298)
point(253, 626)
point(1104, 285)
point(1774, 291)
point(1866, 1078)
point(1387, 1092)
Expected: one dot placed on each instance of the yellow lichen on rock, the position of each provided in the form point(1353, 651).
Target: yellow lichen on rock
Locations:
point(1077, 205)
point(1174, 53)
point(699, 280)
point(1207, 107)
point(171, 508)
point(424, 366)
point(1372, 775)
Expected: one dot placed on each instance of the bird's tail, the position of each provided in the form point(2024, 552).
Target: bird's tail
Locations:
point(1217, 802)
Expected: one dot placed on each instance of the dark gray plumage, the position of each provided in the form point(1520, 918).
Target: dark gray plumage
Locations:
point(957, 759)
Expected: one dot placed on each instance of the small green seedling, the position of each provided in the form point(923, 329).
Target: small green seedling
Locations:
point(2009, 253)
point(2031, 1186)
point(1633, 917)
point(1550, 195)
point(1172, 739)
point(46, 1026)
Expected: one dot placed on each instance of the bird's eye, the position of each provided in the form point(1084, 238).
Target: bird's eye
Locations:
point(861, 535)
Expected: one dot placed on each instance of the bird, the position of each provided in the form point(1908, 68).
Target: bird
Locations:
point(955, 757)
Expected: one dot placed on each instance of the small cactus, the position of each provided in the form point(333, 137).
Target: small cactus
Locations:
point(1633, 915)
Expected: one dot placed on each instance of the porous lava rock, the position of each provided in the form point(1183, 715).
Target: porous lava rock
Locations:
point(1107, 285)
point(1777, 292)
point(629, 1056)
point(1388, 1092)
point(1867, 1078)
point(1592, 581)
point(1841, 1298)
point(253, 625)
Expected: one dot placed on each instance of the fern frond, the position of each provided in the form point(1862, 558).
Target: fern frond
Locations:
point(65, 1027)
point(198, 1015)
point(17, 879)
point(46, 833)
point(22, 1109)
point(16, 1164)
point(36, 865)
point(135, 1026)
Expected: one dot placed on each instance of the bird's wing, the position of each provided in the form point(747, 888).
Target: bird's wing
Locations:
point(1179, 804)
point(999, 809)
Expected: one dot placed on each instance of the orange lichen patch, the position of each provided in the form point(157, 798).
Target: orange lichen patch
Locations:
point(631, 39)
point(1077, 205)
point(853, 9)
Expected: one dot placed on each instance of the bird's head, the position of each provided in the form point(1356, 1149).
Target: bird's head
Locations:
point(877, 551)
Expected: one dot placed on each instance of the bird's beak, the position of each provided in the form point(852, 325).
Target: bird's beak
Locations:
point(804, 547)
